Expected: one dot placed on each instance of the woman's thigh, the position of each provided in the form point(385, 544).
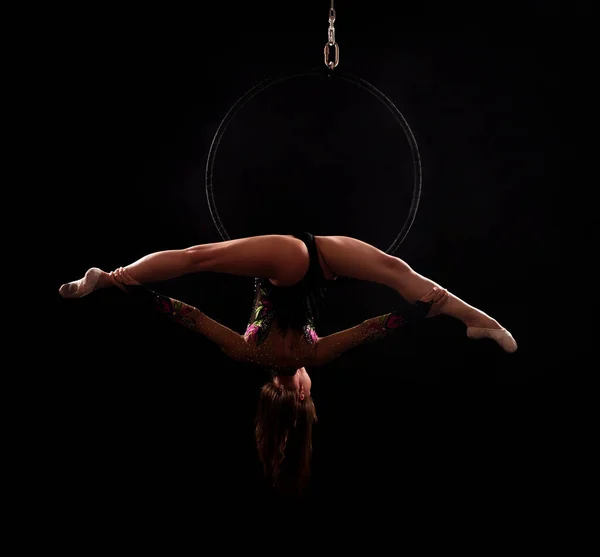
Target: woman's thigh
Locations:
point(283, 259)
point(349, 257)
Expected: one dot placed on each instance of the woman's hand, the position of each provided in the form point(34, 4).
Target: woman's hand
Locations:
point(122, 276)
point(438, 297)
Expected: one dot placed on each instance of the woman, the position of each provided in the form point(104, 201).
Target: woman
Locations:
point(292, 271)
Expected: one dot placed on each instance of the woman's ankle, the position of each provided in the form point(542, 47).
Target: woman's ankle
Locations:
point(108, 281)
point(482, 321)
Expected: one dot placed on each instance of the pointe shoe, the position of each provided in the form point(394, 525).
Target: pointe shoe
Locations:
point(501, 336)
point(82, 287)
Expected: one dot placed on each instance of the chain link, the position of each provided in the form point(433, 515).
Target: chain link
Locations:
point(331, 62)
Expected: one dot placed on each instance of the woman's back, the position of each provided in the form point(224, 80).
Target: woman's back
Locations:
point(281, 326)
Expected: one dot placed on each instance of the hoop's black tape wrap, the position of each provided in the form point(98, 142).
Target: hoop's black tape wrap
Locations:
point(260, 87)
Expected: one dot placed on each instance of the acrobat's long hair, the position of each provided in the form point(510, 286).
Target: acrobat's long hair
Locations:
point(284, 437)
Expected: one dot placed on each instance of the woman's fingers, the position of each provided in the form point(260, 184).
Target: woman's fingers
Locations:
point(440, 295)
point(127, 278)
point(122, 276)
point(116, 274)
point(437, 296)
point(430, 296)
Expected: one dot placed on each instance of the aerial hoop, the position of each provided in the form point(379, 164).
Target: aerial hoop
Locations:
point(331, 61)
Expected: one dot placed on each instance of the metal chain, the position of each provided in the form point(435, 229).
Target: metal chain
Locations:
point(331, 62)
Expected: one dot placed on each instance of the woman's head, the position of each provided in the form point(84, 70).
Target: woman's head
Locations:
point(284, 420)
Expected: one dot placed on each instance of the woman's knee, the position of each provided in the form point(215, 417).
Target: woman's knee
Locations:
point(396, 264)
point(195, 258)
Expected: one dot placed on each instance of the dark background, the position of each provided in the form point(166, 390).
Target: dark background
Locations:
point(147, 414)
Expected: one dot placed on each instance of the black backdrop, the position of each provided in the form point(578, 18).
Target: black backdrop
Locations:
point(147, 414)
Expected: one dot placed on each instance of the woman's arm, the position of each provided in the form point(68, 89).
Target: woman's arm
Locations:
point(229, 341)
point(331, 346)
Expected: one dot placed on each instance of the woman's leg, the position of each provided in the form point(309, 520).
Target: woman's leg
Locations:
point(283, 259)
point(356, 259)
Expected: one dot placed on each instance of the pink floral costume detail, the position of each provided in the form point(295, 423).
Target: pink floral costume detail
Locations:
point(263, 314)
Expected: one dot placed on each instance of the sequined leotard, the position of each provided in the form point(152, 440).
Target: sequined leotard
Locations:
point(264, 315)
point(274, 325)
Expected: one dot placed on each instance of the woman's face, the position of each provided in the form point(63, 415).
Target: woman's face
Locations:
point(300, 381)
